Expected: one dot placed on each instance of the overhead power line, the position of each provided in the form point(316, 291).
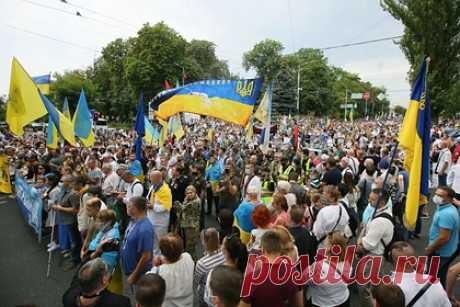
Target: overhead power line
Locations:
point(99, 14)
point(75, 14)
point(50, 38)
point(362, 42)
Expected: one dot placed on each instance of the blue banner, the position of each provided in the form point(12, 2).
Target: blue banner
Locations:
point(30, 202)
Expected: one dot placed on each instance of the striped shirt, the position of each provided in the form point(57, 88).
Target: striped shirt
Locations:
point(202, 268)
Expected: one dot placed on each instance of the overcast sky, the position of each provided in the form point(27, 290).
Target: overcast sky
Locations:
point(235, 26)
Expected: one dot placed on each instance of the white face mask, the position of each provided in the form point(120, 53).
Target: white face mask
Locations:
point(438, 200)
point(373, 186)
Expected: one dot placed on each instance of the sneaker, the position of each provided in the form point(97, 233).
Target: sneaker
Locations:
point(53, 248)
point(64, 251)
point(67, 255)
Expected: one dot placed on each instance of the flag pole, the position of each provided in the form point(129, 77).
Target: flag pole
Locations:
point(393, 155)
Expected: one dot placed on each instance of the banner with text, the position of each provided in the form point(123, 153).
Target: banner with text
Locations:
point(30, 202)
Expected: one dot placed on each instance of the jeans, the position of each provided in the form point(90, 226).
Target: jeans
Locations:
point(443, 268)
point(442, 180)
point(210, 199)
point(75, 239)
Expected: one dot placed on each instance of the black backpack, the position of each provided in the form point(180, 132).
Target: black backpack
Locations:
point(398, 234)
point(353, 221)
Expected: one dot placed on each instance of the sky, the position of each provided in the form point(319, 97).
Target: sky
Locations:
point(34, 33)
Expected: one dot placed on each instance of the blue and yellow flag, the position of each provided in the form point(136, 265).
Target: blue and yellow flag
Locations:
point(83, 122)
point(65, 109)
point(230, 100)
point(52, 135)
point(24, 104)
point(140, 127)
point(151, 134)
point(63, 124)
point(414, 138)
point(43, 83)
point(163, 132)
point(175, 126)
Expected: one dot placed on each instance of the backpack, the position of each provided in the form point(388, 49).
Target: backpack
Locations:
point(144, 190)
point(316, 242)
point(353, 221)
point(398, 234)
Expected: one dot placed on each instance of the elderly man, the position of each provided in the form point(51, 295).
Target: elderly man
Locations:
point(159, 206)
point(67, 209)
point(91, 290)
point(109, 181)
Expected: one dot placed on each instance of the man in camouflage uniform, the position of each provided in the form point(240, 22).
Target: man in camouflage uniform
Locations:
point(189, 220)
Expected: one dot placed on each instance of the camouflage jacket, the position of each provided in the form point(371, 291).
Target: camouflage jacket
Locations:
point(189, 213)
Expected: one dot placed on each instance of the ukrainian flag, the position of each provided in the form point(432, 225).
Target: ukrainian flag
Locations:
point(63, 125)
point(43, 83)
point(83, 122)
point(230, 100)
point(163, 132)
point(24, 103)
point(175, 126)
point(66, 109)
point(414, 138)
point(151, 134)
point(52, 136)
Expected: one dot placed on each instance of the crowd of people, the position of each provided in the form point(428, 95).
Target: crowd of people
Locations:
point(178, 226)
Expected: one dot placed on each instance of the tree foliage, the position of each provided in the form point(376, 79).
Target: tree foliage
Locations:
point(323, 88)
point(142, 63)
point(265, 58)
point(432, 28)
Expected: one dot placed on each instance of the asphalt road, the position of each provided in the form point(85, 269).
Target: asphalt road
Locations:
point(23, 262)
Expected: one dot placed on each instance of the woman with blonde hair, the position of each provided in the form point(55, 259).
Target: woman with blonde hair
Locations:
point(288, 247)
point(331, 294)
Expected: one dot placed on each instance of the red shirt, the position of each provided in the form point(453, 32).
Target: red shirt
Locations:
point(268, 294)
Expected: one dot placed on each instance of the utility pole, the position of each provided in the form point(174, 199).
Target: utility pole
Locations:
point(346, 101)
point(298, 90)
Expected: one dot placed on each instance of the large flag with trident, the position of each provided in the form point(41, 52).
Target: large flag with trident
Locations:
point(414, 138)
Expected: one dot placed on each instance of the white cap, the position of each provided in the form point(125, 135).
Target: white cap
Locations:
point(284, 185)
point(253, 189)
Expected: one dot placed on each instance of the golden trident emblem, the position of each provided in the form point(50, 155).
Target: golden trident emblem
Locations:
point(244, 88)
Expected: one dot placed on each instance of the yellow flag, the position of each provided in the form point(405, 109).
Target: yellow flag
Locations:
point(24, 103)
point(5, 183)
point(163, 132)
point(262, 110)
point(210, 134)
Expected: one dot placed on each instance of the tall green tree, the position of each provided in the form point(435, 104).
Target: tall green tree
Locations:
point(69, 84)
point(157, 54)
point(114, 95)
point(432, 28)
point(316, 80)
point(201, 58)
point(265, 57)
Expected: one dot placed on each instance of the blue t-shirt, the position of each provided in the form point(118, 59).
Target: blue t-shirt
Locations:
point(138, 239)
point(110, 258)
point(213, 172)
point(445, 216)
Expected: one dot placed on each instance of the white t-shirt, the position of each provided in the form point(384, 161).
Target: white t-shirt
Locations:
point(178, 277)
point(453, 179)
point(327, 294)
point(435, 296)
point(444, 156)
point(326, 220)
point(257, 233)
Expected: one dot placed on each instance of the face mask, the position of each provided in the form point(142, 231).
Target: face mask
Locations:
point(438, 200)
point(373, 186)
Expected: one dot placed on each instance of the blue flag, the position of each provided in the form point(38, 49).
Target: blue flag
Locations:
point(140, 127)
